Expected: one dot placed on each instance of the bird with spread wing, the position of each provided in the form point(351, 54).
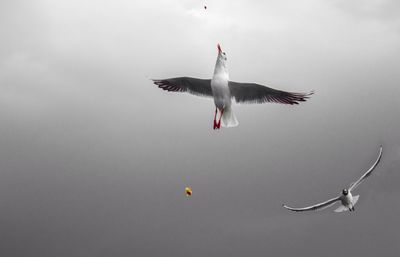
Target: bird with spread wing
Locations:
point(222, 90)
point(346, 199)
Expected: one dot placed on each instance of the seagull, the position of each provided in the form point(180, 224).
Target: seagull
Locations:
point(223, 90)
point(346, 198)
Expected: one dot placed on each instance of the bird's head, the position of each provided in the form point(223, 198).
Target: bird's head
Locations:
point(345, 191)
point(221, 66)
point(221, 55)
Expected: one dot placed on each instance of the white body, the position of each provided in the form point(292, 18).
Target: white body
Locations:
point(221, 92)
point(348, 202)
point(220, 89)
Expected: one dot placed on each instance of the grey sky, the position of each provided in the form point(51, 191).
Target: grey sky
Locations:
point(94, 159)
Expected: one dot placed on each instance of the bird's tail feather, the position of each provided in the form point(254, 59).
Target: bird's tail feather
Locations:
point(228, 118)
point(341, 208)
point(355, 199)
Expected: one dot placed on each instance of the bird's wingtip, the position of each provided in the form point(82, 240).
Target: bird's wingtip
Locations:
point(157, 82)
point(310, 93)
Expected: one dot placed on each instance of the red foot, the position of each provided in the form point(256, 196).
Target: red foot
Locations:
point(215, 120)
point(217, 125)
point(219, 121)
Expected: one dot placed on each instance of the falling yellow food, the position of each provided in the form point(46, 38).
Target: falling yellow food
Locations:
point(188, 191)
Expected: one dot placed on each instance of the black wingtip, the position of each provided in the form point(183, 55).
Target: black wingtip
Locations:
point(307, 95)
point(158, 82)
point(166, 85)
point(296, 98)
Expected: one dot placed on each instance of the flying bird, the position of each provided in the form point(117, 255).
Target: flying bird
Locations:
point(223, 90)
point(347, 200)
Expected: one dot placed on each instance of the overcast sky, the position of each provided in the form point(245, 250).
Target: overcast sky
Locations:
point(94, 158)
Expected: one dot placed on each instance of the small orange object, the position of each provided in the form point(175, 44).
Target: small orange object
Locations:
point(188, 191)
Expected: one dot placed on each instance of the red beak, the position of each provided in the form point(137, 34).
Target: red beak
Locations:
point(219, 48)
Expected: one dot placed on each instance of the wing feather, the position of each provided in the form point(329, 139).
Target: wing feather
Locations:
point(318, 206)
point(195, 86)
point(256, 93)
point(369, 171)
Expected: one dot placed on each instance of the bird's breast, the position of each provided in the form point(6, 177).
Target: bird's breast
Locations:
point(220, 90)
point(219, 84)
point(347, 199)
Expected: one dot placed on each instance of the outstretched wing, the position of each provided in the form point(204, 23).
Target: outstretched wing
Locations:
point(255, 93)
point(200, 87)
point(318, 206)
point(368, 173)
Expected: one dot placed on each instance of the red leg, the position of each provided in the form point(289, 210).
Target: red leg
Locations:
point(220, 117)
point(215, 119)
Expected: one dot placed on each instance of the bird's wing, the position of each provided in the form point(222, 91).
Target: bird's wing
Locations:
point(255, 93)
point(368, 173)
point(200, 87)
point(318, 206)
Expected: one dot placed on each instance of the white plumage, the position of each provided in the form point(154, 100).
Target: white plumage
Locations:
point(222, 90)
point(347, 200)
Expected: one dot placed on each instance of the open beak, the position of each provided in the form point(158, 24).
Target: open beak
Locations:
point(219, 49)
